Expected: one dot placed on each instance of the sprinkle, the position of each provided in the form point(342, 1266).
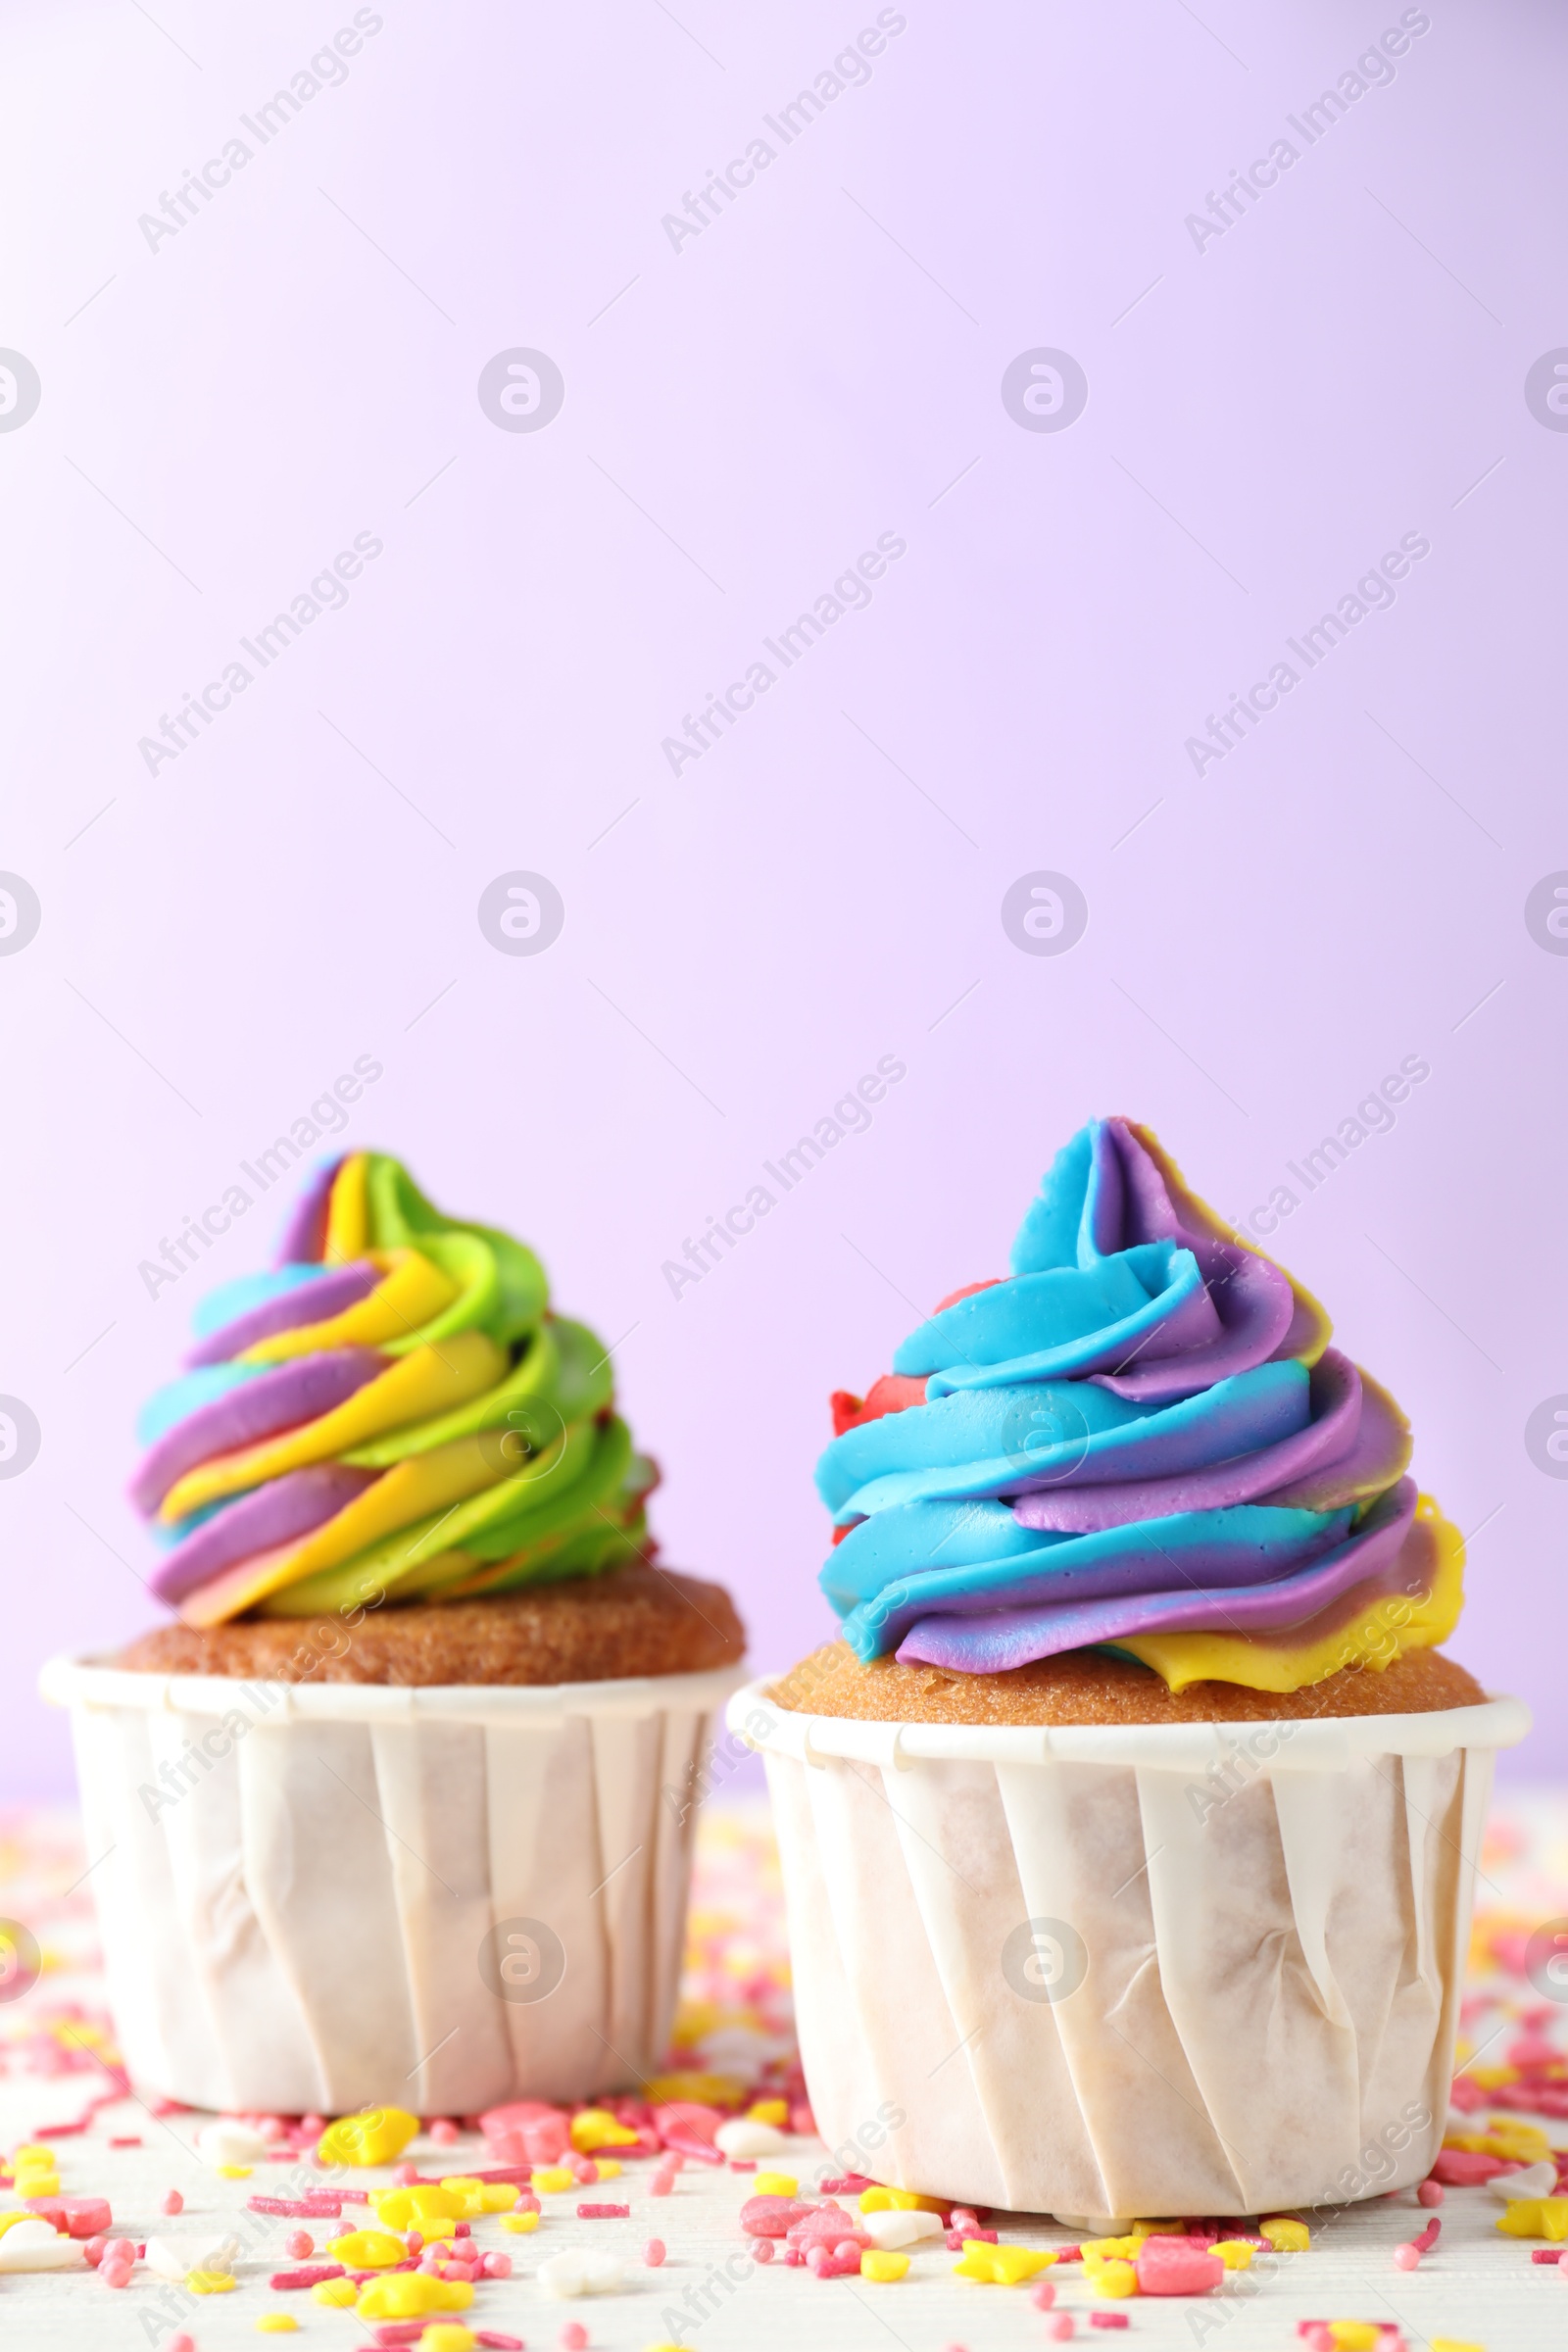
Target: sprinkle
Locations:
point(654, 2252)
point(1108, 2319)
point(1000, 2266)
point(1535, 2217)
point(316, 2275)
point(277, 2322)
point(572, 2336)
point(498, 2265)
point(447, 2335)
point(1043, 2295)
point(761, 2249)
point(443, 2131)
point(379, 2136)
point(1451, 2343)
point(131, 2139)
point(1286, 2234)
point(741, 2137)
point(368, 2250)
point(409, 2296)
point(339, 2294)
point(580, 2273)
point(115, 2274)
point(1427, 2238)
point(877, 2199)
point(884, 2266)
point(596, 2128)
point(551, 2179)
point(299, 2243)
point(1408, 2258)
point(494, 2342)
point(603, 2213)
point(528, 2220)
point(774, 2184)
point(1059, 2326)
point(211, 2282)
point(173, 2202)
point(1430, 2192)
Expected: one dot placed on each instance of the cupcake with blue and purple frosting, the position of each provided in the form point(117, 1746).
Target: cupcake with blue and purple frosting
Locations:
point(1131, 1480)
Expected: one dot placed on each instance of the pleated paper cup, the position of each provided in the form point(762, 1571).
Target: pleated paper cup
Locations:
point(1119, 1972)
point(323, 1896)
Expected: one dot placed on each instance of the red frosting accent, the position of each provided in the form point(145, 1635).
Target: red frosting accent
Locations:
point(894, 1393)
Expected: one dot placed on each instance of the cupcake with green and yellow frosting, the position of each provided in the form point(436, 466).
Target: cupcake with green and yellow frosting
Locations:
point(391, 1416)
point(398, 1807)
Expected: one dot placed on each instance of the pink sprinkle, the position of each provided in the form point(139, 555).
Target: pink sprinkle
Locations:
point(180, 2343)
point(1427, 2238)
point(585, 2172)
point(173, 2202)
point(792, 2258)
point(954, 2242)
point(762, 2249)
point(299, 2243)
point(1059, 2326)
point(654, 2252)
point(1107, 2319)
point(1321, 2339)
point(492, 2342)
point(573, 2336)
point(603, 2213)
point(403, 2174)
point(444, 2132)
point(1430, 2192)
point(817, 2258)
point(1407, 2258)
point(848, 2249)
point(498, 2265)
point(743, 2163)
point(313, 2124)
point(415, 2242)
point(120, 2249)
point(1540, 2254)
point(131, 2139)
point(461, 2230)
point(312, 2277)
point(1043, 2296)
point(94, 2251)
point(115, 2274)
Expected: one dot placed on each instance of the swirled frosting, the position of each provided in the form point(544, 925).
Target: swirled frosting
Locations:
point(392, 1413)
point(1140, 1438)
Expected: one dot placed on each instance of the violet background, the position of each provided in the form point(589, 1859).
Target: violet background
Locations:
point(742, 942)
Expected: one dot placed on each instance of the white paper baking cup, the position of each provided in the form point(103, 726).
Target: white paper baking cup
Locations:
point(319, 1897)
point(1132, 1970)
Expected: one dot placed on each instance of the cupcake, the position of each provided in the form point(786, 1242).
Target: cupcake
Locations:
point(1129, 1827)
point(395, 1809)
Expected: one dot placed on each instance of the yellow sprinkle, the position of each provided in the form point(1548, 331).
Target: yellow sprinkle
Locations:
point(1000, 2266)
point(277, 2322)
point(876, 2263)
point(1115, 2278)
point(709, 2090)
point(1234, 2252)
point(233, 2172)
point(475, 2196)
point(368, 2250)
point(336, 2293)
point(784, 2185)
point(33, 2181)
point(1353, 2335)
point(1510, 2141)
point(1535, 2217)
point(1285, 2235)
point(377, 2136)
point(520, 2221)
point(410, 2295)
point(30, 2152)
point(211, 2282)
point(1095, 2250)
point(666, 2348)
point(1451, 2343)
point(552, 2178)
point(769, 2111)
point(433, 2212)
point(446, 2336)
point(597, 2127)
point(898, 2201)
point(609, 2167)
